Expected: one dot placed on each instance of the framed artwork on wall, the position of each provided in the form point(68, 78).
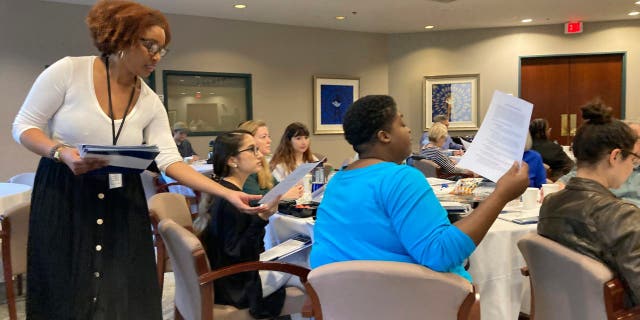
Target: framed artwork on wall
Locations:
point(455, 96)
point(332, 95)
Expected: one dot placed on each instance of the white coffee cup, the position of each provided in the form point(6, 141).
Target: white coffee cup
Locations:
point(530, 198)
point(549, 188)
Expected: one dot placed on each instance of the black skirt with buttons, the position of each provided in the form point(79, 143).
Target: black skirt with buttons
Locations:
point(90, 250)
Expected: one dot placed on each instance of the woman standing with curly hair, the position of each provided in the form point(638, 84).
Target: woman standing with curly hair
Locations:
point(90, 251)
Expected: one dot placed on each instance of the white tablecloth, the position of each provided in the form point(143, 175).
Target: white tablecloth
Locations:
point(494, 265)
point(12, 194)
point(201, 166)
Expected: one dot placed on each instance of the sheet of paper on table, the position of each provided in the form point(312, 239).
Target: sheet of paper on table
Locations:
point(286, 248)
point(465, 144)
point(501, 137)
point(294, 177)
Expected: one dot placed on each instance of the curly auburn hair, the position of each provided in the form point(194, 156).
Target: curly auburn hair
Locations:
point(117, 24)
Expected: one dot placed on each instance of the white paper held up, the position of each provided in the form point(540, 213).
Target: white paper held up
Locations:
point(290, 181)
point(501, 137)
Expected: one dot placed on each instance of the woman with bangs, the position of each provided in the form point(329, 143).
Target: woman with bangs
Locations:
point(294, 149)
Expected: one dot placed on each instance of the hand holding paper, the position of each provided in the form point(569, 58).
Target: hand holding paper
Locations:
point(290, 181)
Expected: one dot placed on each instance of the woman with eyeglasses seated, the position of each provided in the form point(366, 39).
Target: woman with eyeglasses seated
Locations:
point(552, 154)
point(294, 149)
point(263, 181)
point(378, 209)
point(585, 216)
point(230, 236)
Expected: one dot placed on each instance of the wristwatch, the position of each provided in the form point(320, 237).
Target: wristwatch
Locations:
point(54, 153)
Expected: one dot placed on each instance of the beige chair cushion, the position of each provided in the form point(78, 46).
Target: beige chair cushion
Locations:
point(566, 284)
point(387, 290)
point(167, 205)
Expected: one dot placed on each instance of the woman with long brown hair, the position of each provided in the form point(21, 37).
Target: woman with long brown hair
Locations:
point(294, 149)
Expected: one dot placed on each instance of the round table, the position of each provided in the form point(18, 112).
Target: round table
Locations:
point(12, 194)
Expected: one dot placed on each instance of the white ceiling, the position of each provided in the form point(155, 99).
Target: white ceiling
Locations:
point(399, 16)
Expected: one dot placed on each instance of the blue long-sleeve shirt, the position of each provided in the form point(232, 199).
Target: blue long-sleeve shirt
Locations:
point(387, 212)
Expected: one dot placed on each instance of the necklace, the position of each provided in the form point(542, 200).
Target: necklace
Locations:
point(113, 123)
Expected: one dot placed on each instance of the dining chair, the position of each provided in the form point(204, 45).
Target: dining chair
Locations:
point(24, 178)
point(388, 290)
point(566, 284)
point(194, 292)
point(15, 228)
point(428, 168)
point(167, 205)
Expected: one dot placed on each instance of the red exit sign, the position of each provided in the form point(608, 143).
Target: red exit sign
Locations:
point(573, 27)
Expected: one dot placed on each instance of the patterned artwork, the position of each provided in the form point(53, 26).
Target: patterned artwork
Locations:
point(334, 101)
point(453, 99)
point(332, 96)
point(455, 96)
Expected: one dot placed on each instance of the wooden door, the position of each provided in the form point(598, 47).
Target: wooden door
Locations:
point(559, 86)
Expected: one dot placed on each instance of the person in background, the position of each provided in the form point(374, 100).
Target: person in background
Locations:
point(294, 149)
point(378, 209)
point(230, 236)
point(263, 181)
point(630, 189)
point(448, 144)
point(180, 132)
point(585, 216)
point(552, 153)
point(537, 172)
point(433, 151)
point(90, 250)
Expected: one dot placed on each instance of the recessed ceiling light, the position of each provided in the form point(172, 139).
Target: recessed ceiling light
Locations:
point(212, 93)
point(183, 93)
point(429, 27)
point(634, 13)
point(181, 80)
point(239, 6)
point(340, 18)
point(637, 2)
point(526, 20)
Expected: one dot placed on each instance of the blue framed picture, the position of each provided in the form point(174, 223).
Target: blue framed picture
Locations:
point(455, 96)
point(332, 96)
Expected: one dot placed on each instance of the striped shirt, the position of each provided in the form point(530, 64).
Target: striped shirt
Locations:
point(434, 154)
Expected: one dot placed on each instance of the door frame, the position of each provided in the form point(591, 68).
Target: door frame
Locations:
point(623, 100)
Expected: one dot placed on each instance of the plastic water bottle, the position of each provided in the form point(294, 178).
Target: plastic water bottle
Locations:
point(318, 178)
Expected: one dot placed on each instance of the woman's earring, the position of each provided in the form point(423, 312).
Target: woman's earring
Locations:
point(121, 54)
point(235, 165)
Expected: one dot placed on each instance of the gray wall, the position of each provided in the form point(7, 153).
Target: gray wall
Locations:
point(281, 59)
point(495, 55)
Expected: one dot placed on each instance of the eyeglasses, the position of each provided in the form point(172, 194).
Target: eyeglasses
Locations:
point(153, 47)
point(253, 148)
point(636, 159)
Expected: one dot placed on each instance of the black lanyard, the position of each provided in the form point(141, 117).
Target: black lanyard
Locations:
point(113, 123)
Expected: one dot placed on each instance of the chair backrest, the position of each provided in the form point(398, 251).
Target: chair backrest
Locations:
point(428, 168)
point(24, 178)
point(390, 290)
point(149, 179)
point(15, 227)
point(182, 246)
point(167, 205)
point(565, 284)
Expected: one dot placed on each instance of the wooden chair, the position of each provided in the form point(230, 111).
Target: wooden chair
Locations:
point(167, 205)
point(192, 196)
point(388, 290)
point(15, 228)
point(428, 168)
point(194, 293)
point(566, 284)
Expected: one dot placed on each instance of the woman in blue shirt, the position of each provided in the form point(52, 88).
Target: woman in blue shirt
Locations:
point(377, 209)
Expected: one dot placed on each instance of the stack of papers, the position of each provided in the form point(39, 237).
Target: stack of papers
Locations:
point(517, 214)
point(122, 159)
point(287, 248)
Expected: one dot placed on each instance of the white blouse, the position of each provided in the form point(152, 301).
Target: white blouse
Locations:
point(63, 104)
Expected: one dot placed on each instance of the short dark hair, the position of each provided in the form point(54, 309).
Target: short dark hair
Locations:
point(600, 133)
point(116, 25)
point(366, 117)
point(225, 147)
